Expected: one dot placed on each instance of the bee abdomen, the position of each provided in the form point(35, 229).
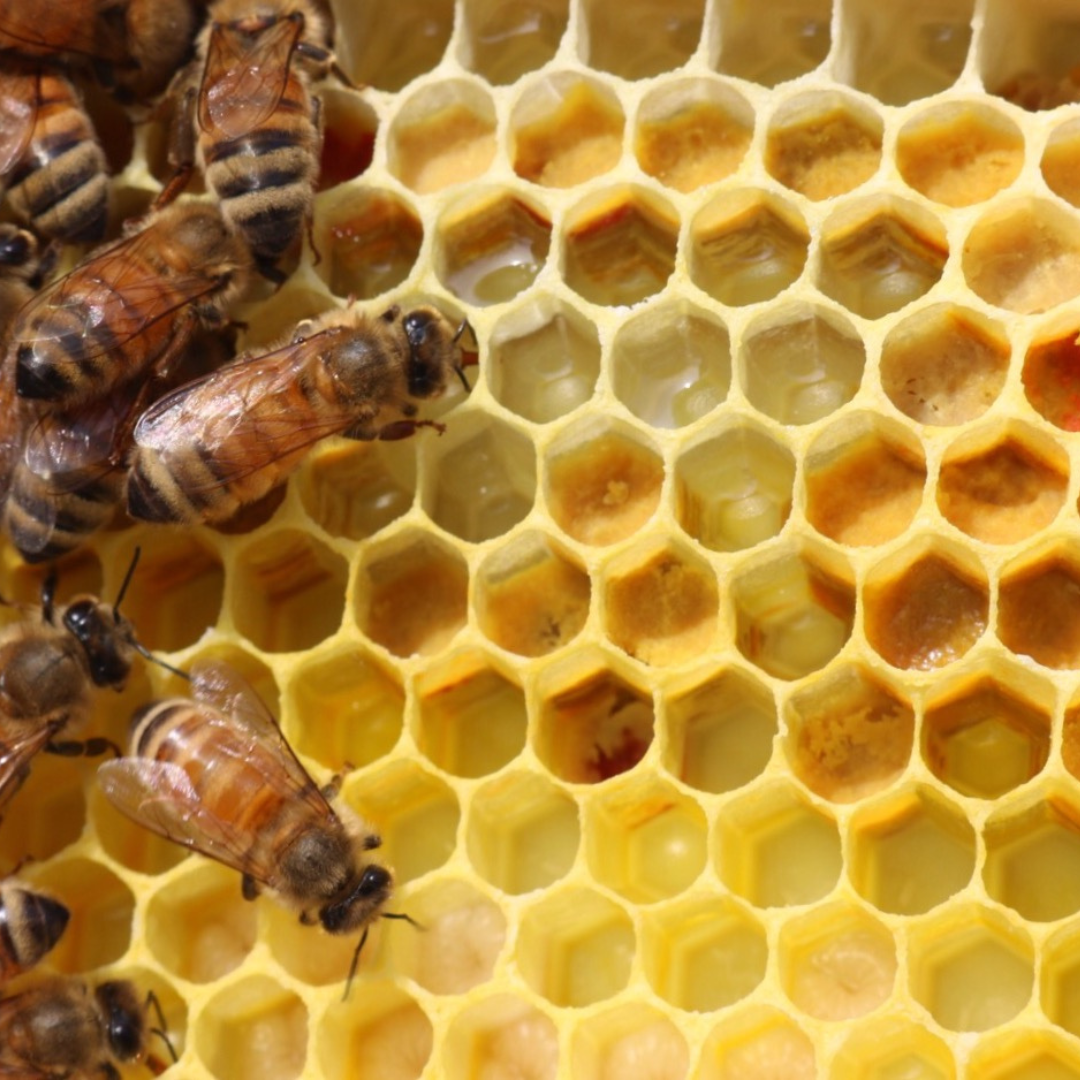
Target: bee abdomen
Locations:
point(30, 925)
point(158, 730)
point(155, 494)
point(52, 363)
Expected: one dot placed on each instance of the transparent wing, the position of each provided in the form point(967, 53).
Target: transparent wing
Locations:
point(17, 749)
point(20, 94)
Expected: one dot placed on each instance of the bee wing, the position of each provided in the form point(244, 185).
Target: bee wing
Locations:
point(16, 753)
point(19, 91)
point(14, 420)
point(63, 28)
point(241, 84)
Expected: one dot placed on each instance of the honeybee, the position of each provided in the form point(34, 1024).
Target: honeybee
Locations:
point(20, 272)
point(222, 442)
point(132, 305)
point(31, 923)
point(216, 775)
point(64, 1029)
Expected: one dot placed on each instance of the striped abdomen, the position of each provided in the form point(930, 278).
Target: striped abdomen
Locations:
point(30, 925)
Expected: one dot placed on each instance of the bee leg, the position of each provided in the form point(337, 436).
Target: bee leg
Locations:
point(307, 919)
point(269, 270)
point(249, 887)
point(332, 787)
point(402, 429)
point(83, 748)
point(181, 149)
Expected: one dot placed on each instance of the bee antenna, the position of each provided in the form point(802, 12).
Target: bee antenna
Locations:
point(143, 651)
point(404, 918)
point(464, 381)
point(152, 1002)
point(126, 582)
point(462, 327)
point(353, 966)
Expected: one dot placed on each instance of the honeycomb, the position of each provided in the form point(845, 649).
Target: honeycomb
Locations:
point(714, 680)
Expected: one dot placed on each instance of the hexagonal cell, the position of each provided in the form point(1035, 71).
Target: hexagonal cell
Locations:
point(575, 947)
point(770, 45)
point(954, 956)
point(849, 735)
point(603, 481)
point(522, 833)
point(1050, 376)
point(620, 1041)
point(1039, 607)
point(481, 478)
point(500, 1036)
point(358, 705)
point(411, 594)
point(733, 491)
point(703, 954)
point(1060, 979)
point(380, 1033)
point(800, 364)
point(640, 40)
point(1033, 856)
point(502, 42)
point(775, 849)
point(565, 129)
point(893, 1048)
point(1060, 160)
point(837, 962)
point(661, 604)
point(747, 246)
point(960, 153)
point(619, 246)
point(48, 812)
point(388, 48)
point(595, 728)
point(268, 322)
point(720, 733)
point(349, 128)
point(444, 134)
point(645, 840)
point(490, 247)
point(864, 481)
point(254, 1029)
point(531, 596)
point(823, 144)
point(544, 360)
point(880, 255)
point(1024, 256)
point(944, 364)
point(288, 591)
point(1003, 485)
point(369, 241)
point(1024, 1053)
point(792, 615)
point(199, 927)
point(471, 719)
point(691, 132)
point(910, 851)
point(926, 606)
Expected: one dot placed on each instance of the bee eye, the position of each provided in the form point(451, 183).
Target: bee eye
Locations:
point(416, 325)
point(78, 619)
point(375, 880)
point(123, 1020)
point(15, 250)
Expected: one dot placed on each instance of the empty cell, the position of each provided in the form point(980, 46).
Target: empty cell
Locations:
point(800, 364)
point(747, 246)
point(1024, 256)
point(271, 324)
point(619, 246)
point(490, 247)
point(970, 967)
point(308, 954)
point(944, 365)
point(901, 57)
point(837, 962)
point(288, 591)
point(575, 947)
point(671, 364)
point(1060, 164)
point(629, 1040)
point(1024, 1053)
point(531, 596)
point(639, 39)
point(720, 734)
point(504, 41)
point(1039, 609)
point(49, 812)
point(770, 45)
point(566, 129)
point(343, 710)
point(775, 849)
point(481, 478)
point(703, 954)
point(388, 47)
point(823, 144)
point(131, 845)
point(925, 610)
point(880, 255)
point(412, 594)
point(849, 735)
point(893, 1048)
point(960, 153)
point(501, 1036)
point(910, 851)
point(544, 360)
point(349, 128)
point(522, 833)
point(1051, 377)
point(692, 132)
point(1059, 991)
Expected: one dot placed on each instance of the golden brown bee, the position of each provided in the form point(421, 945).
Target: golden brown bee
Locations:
point(31, 923)
point(20, 272)
point(130, 307)
point(223, 442)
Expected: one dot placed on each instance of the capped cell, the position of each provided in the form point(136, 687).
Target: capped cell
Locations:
point(891, 1048)
point(1039, 607)
point(691, 132)
point(801, 363)
point(441, 135)
point(350, 125)
point(1059, 990)
point(850, 734)
point(747, 246)
point(1024, 1053)
point(503, 41)
point(544, 360)
point(671, 364)
point(640, 40)
point(770, 45)
point(624, 1040)
point(1061, 161)
point(565, 129)
point(704, 953)
point(774, 848)
point(618, 245)
point(759, 1041)
point(388, 47)
point(823, 144)
point(501, 1035)
point(910, 850)
point(1051, 377)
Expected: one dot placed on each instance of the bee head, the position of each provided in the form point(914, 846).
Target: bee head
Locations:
point(360, 904)
point(433, 351)
point(106, 638)
point(122, 1015)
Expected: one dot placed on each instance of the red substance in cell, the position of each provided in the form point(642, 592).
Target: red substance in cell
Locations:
point(347, 152)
